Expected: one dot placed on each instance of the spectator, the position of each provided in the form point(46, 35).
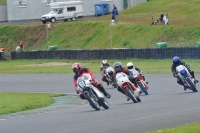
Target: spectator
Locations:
point(2, 48)
point(21, 45)
point(161, 17)
point(114, 13)
point(2, 52)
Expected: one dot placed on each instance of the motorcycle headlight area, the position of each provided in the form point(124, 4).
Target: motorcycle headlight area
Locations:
point(183, 72)
point(82, 84)
point(110, 72)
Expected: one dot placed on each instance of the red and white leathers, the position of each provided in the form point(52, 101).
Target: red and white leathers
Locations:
point(94, 82)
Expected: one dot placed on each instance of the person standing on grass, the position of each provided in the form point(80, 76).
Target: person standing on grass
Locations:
point(114, 13)
point(2, 48)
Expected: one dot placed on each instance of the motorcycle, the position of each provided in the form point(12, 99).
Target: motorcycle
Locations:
point(95, 97)
point(109, 73)
point(139, 80)
point(125, 84)
point(185, 76)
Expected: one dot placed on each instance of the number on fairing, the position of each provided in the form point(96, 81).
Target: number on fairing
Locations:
point(179, 68)
point(81, 84)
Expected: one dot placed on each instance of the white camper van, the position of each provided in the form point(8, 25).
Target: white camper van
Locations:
point(64, 11)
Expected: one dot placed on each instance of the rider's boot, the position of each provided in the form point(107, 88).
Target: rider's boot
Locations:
point(145, 79)
point(128, 98)
point(107, 82)
point(100, 87)
point(185, 88)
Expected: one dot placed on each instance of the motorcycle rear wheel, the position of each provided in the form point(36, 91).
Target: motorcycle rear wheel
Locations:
point(104, 104)
point(143, 88)
point(130, 94)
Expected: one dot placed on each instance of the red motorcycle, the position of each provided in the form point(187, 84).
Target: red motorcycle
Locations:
point(140, 81)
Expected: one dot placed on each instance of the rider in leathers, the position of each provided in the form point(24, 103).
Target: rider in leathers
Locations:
point(118, 68)
point(78, 70)
point(103, 67)
point(130, 67)
point(176, 61)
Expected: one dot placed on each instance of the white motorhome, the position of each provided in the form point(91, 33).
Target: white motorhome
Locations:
point(64, 11)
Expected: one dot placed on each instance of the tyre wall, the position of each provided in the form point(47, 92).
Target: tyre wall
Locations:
point(148, 53)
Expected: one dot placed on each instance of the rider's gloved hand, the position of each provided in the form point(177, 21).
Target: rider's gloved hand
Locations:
point(78, 91)
point(175, 75)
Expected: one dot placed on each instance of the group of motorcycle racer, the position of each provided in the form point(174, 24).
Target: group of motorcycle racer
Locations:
point(78, 70)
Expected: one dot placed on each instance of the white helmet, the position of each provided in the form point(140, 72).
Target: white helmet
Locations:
point(130, 66)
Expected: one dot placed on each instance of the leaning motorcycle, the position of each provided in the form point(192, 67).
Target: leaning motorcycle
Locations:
point(109, 73)
point(139, 80)
point(125, 84)
point(186, 77)
point(95, 97)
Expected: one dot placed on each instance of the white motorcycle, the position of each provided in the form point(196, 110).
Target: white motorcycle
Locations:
point(130, 90)
point(186, 77)
point(95, 97)
point(110, 76)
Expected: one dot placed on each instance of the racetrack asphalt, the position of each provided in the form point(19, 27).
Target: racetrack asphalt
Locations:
point(167, 105)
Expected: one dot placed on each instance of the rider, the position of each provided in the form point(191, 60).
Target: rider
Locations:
point(118, 68)
point(130, 67)
point(176, 61)
point(104, 65)
point(78, 70)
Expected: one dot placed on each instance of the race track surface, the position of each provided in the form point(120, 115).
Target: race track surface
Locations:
point(167, 105)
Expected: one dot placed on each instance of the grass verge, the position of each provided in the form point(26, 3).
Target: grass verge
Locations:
point(188, 128)
point(149, 66)
point(12, 102)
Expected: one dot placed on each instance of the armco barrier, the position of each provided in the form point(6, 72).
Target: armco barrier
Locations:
point(148, 53)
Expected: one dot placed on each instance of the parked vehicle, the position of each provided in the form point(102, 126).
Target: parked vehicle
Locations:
point(186, 77)
point(128, 87)
point(110, 76)
point(91, 93)
point(64, 11)
point(140, 81)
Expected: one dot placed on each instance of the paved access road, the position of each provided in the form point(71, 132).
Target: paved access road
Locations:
point(167, 105)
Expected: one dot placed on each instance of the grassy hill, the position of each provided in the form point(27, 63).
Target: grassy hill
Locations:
point(133, 29)
point(3, 1)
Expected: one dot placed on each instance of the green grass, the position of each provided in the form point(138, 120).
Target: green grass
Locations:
point(152, 66)
point(12, 102)
point(3, 1)
point(188, 128)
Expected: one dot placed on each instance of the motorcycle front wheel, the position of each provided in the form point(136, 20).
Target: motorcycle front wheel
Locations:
point(143, 88)
point(104, 104)
point(192, 85)
point(93, 101)
point(130, 94)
